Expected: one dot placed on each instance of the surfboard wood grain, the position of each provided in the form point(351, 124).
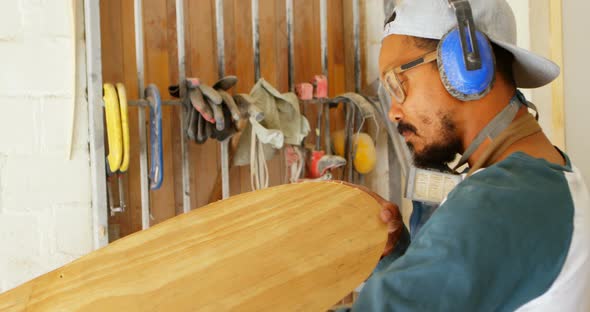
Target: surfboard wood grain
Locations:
point(298, 247)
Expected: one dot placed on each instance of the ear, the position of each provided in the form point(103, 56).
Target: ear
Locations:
point(461, 83)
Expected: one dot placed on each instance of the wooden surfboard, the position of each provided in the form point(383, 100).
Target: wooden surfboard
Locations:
point(298, 247)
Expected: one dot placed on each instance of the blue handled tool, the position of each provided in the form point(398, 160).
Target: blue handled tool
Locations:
point(152, 94)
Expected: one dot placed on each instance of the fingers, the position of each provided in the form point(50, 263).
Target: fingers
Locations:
point(391, 242)
point(393, 224)
point(388, 249)
point(386, 215)
point(392, 227)
point(389, 215)
point(363, 188)
point(395, 231)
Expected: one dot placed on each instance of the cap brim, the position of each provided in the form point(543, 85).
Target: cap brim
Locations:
point(530, 70)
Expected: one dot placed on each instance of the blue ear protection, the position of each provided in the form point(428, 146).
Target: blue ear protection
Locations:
point(465, 58)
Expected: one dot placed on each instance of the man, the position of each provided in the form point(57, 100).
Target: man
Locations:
point(515, 233)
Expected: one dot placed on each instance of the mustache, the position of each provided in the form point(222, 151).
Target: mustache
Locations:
point(403, 127)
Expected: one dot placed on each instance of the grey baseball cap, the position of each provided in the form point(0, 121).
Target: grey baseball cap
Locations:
point(434, 18)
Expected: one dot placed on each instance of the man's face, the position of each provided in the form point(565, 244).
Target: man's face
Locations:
point(427, 117)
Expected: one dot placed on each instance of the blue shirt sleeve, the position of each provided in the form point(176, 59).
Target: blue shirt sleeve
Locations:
point(398, 251)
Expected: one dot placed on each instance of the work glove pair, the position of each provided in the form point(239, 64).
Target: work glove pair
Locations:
point(212, 112)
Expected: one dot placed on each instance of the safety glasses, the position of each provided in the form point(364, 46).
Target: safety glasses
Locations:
point(391, 81)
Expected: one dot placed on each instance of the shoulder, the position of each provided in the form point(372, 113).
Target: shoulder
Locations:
point(509, 225)
point(519, 209)
point(519, 185)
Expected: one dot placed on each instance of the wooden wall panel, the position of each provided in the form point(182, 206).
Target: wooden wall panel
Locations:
point(201, 63)
point(240, 37)
point(306, 25)
point(271, 62)
point(336, 59)
point(157, 72)
point(118, 52)
point(175, 126)
point(133, 213)
point(235, 173)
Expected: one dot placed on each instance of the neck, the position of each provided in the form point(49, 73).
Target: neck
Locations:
point(478, 114)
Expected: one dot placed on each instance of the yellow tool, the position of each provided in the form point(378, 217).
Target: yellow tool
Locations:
point(113, 120)
point(124, 126)
point(122, 94)
point(365, 155)
point(338, 142)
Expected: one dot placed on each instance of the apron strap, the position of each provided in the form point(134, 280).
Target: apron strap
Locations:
point(495, 127)
point(520, 129)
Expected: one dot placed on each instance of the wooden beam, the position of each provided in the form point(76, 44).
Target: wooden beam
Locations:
point(558, 111)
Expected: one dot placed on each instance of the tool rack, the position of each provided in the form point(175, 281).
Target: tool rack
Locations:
point(95, 87)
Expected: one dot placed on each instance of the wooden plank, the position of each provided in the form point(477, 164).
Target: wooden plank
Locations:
point(175, 124)
point(230, 69)
point(282, 51)
point(111, 40)
point(202, 63)
point(294, 247)
point(348, 44)
point(156, 71)
point(244, 62)
point(230, 65)
point(306, 25)
point(362, 42)
point(269, 33)
point(337, 78)
point(557, 107)
point(133, 213)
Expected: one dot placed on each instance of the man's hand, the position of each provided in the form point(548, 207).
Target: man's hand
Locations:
point(389, 214)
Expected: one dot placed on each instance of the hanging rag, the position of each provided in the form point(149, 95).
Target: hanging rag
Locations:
point(282, 124)
point(294, 163)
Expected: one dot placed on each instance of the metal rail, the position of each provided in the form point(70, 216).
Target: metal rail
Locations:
point(290, 44)
point(324, 35)
point(357, 44)
point(223, 145)
point(95, 122)
point(143, 160)
point(256, 39)
point(145, 103)
point(186, 187)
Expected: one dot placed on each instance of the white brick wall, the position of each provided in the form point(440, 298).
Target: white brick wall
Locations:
point(45, 208)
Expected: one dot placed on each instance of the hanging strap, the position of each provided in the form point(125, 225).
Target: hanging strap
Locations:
point(293, 163)
point(258, 169)
point(520, 129)
point(492, 130)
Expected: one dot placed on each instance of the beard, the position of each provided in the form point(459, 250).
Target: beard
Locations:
point(439, 154)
